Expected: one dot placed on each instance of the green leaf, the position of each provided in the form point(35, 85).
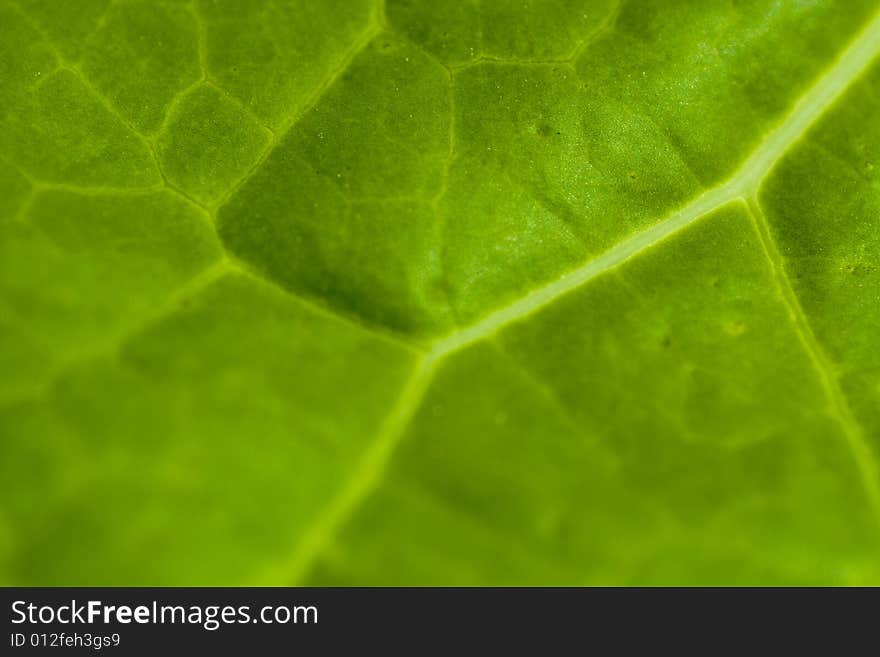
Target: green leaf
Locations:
point(439, 292)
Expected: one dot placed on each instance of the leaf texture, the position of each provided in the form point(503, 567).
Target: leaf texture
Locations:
point(435, 292)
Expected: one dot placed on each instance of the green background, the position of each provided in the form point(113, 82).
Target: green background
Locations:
point(439, 292)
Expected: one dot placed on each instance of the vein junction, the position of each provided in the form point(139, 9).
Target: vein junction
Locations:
point(742, 186)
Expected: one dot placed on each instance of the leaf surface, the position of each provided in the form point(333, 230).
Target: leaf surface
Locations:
point(347, 292)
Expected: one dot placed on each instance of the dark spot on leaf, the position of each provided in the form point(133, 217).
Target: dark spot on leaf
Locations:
point(858, 269)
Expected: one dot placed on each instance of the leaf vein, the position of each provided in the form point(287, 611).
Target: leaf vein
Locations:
point(849, 65)
point(865, 460)
point(345, 62)
point(365, 478)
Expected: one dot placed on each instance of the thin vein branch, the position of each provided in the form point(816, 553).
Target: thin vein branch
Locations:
point(223, 265)
point(99, 25)
point(21, 215)
point(377, 331)
point(201, 38)
point(606, 25)
point(24, 174)
point(211, 82)
point(865, 459)
point(356, 48)
point(173, 104)
point(365, 478)
point(539, 386)
point(199, 282)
